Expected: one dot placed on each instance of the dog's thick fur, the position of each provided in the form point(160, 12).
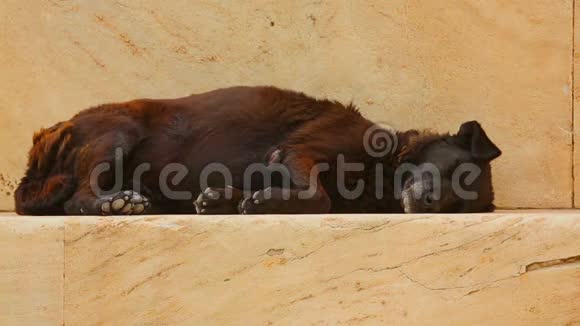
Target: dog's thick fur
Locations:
point(236, 127)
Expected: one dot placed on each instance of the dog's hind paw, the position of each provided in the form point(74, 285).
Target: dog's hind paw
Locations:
point(126, 202)
point(217, 201)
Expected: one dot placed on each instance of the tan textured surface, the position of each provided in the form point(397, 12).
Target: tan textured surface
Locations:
point(577, 106)
point(407, 63)
point(348, 270)
point(31, 271)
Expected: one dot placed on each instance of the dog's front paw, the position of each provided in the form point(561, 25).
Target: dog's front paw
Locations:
point(126, 202)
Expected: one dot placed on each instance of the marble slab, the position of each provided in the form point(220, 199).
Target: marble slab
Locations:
point(493, 269)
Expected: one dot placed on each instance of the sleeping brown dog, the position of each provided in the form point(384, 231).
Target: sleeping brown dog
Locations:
point(250, 150)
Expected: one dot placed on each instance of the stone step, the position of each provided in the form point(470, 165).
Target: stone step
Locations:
point(507, 268)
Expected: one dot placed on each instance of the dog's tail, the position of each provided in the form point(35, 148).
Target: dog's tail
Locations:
point(46, 186)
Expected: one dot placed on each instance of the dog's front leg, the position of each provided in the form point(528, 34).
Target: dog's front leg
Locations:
point(305, 195)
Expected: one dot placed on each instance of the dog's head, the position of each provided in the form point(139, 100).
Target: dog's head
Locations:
point(449, 173)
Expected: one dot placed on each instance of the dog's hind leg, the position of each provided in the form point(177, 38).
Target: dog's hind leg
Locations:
point(102, 163)
point(218, 201)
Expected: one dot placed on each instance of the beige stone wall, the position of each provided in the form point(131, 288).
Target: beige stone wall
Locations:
point(576, 103)
point(406, 63)
point(492, 269)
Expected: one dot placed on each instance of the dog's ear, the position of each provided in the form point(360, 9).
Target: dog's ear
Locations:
point(475, 138)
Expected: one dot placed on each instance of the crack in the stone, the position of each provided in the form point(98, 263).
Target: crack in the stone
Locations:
point(302, 298)
point(105, 226)
point(275, 251)
point(363, 269)
point(469, 270)
point(351, 227)
point(378, 227)
point(404, 263)
point(510, 237)
point(485, 285)
point(308, 254)
point(411, 220)
point(374, 228)
point(80, 237)
point(110, 259)
point(551, 263)
point(156, 275)
point(463, 228)
point(269, 253)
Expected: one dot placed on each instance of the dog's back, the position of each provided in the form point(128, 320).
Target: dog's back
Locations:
point(235, 126)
